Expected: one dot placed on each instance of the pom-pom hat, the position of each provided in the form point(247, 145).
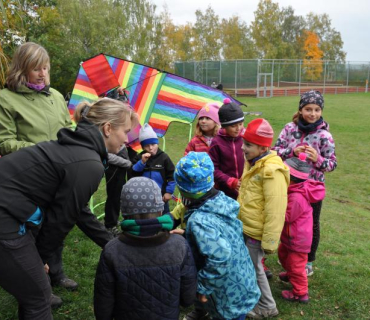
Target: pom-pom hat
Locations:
point(194, 173)
point(210, 110)
point(147, 135)
point(141, 195)
point(259, 132)
point(298, 167)
point(230, 113)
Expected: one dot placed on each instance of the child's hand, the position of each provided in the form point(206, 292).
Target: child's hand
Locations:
point(46, 268)
point(167, 197)
point(145, 156)
point(299, 150)
point(311, 153)
point(202, 298)
point(238, 185)
point(178, 231)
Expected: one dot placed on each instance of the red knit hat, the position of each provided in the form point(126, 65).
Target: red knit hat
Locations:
point(259, 132)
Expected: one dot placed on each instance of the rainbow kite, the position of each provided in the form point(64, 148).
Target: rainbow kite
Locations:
point(158, 97)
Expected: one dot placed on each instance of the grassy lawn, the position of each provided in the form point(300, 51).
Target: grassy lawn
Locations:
point(340, 286)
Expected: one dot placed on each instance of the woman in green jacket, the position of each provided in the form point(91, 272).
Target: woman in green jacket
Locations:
point(30, 111)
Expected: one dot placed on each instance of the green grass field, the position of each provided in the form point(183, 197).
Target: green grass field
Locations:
point(339, 288)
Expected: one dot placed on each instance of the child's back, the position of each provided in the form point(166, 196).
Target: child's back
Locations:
point(145, 273)
point(226, 276)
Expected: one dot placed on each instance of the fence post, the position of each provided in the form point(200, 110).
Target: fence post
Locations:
point(324, 76)
point(347, 76)
point(300, 75)
point(236, 77)
point(258, 78)
point(220, 80)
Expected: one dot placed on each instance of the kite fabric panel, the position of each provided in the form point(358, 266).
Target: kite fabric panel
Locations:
point(158, 97)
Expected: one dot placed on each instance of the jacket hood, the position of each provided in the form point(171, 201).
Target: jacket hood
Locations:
point(86, 135)
point(221, 205)
point(313, 191)
point(274, 163)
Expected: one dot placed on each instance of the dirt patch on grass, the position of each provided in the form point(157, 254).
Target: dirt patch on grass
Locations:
point(355, 204)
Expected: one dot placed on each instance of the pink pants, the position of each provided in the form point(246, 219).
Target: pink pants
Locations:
point(294, 263)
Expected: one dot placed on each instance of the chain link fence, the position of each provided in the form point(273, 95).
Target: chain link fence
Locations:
point(268, 78)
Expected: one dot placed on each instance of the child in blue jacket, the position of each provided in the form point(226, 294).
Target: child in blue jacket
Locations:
point(227, 284)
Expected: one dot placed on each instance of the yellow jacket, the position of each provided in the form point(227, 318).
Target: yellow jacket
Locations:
point(263, 200)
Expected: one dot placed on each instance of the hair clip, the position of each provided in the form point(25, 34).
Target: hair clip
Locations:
point(85, 110)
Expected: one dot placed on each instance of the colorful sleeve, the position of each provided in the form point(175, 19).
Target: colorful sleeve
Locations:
point(326, 160)
point(282, 144)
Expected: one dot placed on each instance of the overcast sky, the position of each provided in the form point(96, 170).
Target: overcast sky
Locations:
point(350, 17)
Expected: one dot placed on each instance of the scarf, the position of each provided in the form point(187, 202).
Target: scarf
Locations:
point(147, 227)
point(37, 87)
point(309, 127)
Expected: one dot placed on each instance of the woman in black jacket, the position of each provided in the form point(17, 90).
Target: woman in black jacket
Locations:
point(48, 184)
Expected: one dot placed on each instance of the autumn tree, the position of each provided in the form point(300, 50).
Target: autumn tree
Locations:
point(312, 63)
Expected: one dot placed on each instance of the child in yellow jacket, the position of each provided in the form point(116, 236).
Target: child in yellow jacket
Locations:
point(263, 202)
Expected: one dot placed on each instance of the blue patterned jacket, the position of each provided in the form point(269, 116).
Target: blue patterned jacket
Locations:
point(226, 273)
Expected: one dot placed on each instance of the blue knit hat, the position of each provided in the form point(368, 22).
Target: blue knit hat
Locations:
point(194, 173)
point(147, 135)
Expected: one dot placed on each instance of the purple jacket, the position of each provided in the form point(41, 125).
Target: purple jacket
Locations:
point(321, 140)
point(297, 231)
point(228, 159)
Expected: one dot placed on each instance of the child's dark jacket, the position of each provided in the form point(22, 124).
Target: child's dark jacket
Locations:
point(144, 278)
point(159, 168)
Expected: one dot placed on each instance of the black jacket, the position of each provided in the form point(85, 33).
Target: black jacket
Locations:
point(144, 278)
point(58, 177)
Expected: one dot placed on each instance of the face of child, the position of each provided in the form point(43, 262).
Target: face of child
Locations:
point(252, 150)
point(311, 113)
point(116, 138)
point(234, 129)
point(38, 75)
point(151, 148)
point(207, 125)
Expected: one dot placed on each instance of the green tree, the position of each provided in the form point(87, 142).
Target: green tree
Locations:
point(266, 30)
point(236, 41)
point(207, 35)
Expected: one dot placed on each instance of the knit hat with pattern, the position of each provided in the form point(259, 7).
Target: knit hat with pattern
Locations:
point(311, 97)
point(141, 195)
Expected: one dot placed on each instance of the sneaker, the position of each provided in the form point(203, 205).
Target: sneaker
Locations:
point(283, 276)
point(258, 313)
point(66, 283)
point(55, 301)
point(197, 315)
point(309, 269)
point(290, 296)
point(267, 270)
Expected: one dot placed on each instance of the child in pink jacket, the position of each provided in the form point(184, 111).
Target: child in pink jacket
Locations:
point(296, 237)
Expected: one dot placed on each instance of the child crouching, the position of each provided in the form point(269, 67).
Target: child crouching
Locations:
point(296, 237)
point(145, 273)
point(227, 283)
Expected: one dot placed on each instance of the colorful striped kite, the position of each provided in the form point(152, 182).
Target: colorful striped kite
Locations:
point(158, 97)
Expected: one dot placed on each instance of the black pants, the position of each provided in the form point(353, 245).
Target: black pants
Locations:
point(22, 274)
point(90, 225)
point(115, 179)
point(316, 230)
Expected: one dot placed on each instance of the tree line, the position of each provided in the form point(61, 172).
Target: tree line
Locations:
point(73, 31)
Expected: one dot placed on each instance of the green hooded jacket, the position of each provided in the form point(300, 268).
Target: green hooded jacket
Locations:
point(28, 117)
